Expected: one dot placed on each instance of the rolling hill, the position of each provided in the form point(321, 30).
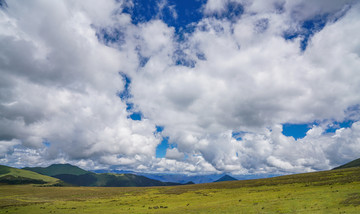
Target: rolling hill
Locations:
point(354, 163)
point(80, 177)
point(10, 175)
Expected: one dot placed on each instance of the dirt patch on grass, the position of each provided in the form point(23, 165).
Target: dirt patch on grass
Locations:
point(352, 199)
point(5, 203)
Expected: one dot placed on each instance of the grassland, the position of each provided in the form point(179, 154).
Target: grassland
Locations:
point(335, 191)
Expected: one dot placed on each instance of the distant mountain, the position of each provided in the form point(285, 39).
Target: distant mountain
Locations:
point(226, 178)
point(80, 177)
point(166, 177)
point(111, 180)
point(110, 177)
point(182, 178)
point(199, 179)
point(10, 175)
point(57, 169)
point(114, 171)
point(354, 163)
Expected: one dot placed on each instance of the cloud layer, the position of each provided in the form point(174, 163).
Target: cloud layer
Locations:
point(245, 68)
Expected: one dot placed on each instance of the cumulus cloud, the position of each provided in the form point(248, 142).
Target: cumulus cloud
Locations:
point(297, 9)
point(6, 147)
point(61, 84)
point(248, 79)
point(174, 154)
point(236, 73)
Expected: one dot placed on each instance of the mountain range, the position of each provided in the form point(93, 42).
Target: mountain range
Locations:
point(79, 177)
point(185, 178)
point(66, 174)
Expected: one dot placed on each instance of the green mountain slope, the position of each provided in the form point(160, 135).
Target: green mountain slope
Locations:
point(57, 169)
point(79, 177)
point(354, 163)
point(10, 175)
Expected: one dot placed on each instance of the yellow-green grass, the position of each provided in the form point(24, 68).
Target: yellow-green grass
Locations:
point(14, 172)
point(336, 191)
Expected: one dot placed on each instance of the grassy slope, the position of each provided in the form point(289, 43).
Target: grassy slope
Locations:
point(354, 163)
point(336, 191)
point(20, 175)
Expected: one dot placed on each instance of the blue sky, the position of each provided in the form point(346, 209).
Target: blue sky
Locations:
point(194, 87)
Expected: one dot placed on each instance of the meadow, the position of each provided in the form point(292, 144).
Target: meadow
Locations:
point(335, 191)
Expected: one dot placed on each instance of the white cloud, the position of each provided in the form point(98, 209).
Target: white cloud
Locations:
point(156, 37)
point(250, 80)
point(295, 9)
point(215, 6)
point(6, 147)
point(174, 154)
point(60, 84)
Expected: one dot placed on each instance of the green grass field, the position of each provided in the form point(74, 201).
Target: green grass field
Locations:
point(15, 175)
point(336, 191)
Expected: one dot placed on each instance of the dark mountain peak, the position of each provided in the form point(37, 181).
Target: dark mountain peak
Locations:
point(190, 182)
point(60, 164)
point(226, 178)
point(354, 163)
point(63, 165)
point(58, 169)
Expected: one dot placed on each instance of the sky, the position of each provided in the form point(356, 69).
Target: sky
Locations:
point(180, 86)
